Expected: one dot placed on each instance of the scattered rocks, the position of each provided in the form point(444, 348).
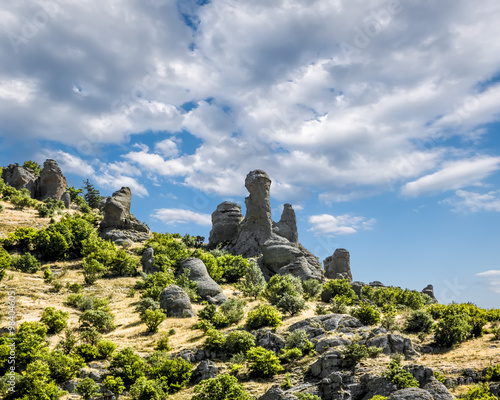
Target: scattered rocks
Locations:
point(225, 221)
point(276, 393)
point(175, 302)
point(391, 344)
point(205, 370)
point(148, 261)
point(338, 265)
point(119, 225)
point(429, 290)
point(411, 394)
point(208, 289)
point(20, 178)
point(318, 326)
point(269, 340)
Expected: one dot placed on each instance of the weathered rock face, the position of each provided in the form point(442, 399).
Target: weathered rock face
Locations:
point(66, 198)
point(393, 344)
point(175, 302)
point(257, 234)
point(338, 266)
point(429, 290)
point(119, 225)
point(51, 183)
point(205, 370)
point(225, 221)
point(20, 178)
point(208, 289)
point(411, 394)
point(276, 393)
point(148, 261)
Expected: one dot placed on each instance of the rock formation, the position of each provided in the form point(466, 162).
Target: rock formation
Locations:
point(20, 178)
point(338, 265)
point(205, 370)
point(208, 289)
point(175, 302)
point(429, 290)
point(257, 234)
point(119, 225)
point(148, 261)
point(225, 221)
point(66, 198)
point(51, 183)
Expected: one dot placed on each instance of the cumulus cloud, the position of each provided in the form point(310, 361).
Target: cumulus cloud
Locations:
point(330, 225)
point(176, 216)
point(466, 201)
point(491, 272)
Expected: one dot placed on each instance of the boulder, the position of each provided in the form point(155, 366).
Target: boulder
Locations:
point(326, 344)
point(326, 364)
point(427, 381)
point(269, 340)
point(205, 370)
point(321, 324)
point(411, 394)
point(225, 221)
point(148, 261)
point(357, 286)
point(66, 198)
point(208, 289)
point(276, 393)
point(51, 183)
point(175, 302)
point(376, 284)
point(373, 385)
point(429, 290)
point(338, 265)
point(391, 344)
point(20, 178)
point(119, 225)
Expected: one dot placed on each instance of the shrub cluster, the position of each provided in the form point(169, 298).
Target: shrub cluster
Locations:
point(263, 315)
point(339, 289)
point(367, 314)
point(399, 376)
point(394, 296)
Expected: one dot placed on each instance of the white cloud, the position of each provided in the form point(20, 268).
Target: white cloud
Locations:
point(452, 176)
point(491, 272)
point(20, 91)
point(493, 280)
point(69, 163)
point(330, 225)
point(466, 201)
point(168, 148)
point(175, 216)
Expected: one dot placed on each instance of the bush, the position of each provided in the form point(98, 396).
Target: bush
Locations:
point(263, 362)
point(87, 388)
point(321, 309)
point(21, 238)
point(30, 341)
point(300, 340)
point(92, 270)
point(378, 397)
point(56, 320)
point(210, 314)
point(63, 367)
point(312, 288)
point(4, 262)
point(479, 392)
point(389, 322)
point(172, 373)
point(367, 314)
point(190, 287)
point(26, 263)
point(52, 244)
point(419, 321)
point(222, 387)
point(67, 343)
point(373, 351)
point(153, 319)
point(144, 389)
point(100, 319)
point(279, 285)
point(492, 373)
point(233, 267)
point(338, 305)
point(233, 310)
point(215, 341)
point(291, 305)
point(451, 330)
point(253, 282)
point(395, 296)
point(162, 343)
point(114, 385)
point(87, 351)
point(147, 303)
point(399, 376)
point(35, 383)
point(288, 355)
point(239, 342)
point(353, 353)
point(90, 334)
point(309, 396)
point(263, 315)
point(127, 365)
point(338, 287)
point(105, 348)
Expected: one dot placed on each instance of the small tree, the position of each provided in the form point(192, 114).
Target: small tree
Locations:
point(153, 319)
point(87, 388)
point(56, 320)
point(32, 165)
point(253, 282)
point(91, 195)
point(263, 362)
point(223, 387)
point(114, 385)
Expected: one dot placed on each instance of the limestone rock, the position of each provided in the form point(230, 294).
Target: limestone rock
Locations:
point(175, 302)
point(357, 286)
point(208, 289)
point(66, 198)
point(376, 385)
point(338, 265)
point(119, 224)
point(376, 284)
point(328, 363)
point(269, 340)
point(148, 261)
point(51, 183)
point(287, 226)
point(225, 221)
point(205, 370)
point(20, 178)
point(319, 325)
point(429, 290)
point(276, 393)
point(411, 394)
point(391, 344)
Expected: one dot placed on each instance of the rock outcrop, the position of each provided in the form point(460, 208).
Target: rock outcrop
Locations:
point(20, 178)
point(51, 183)
point(257, 234)
point(205, 370)
point(208, 289)
point(119, 225)
point(411, 394)
point(175, 302)
point(338, 265)
point(429, 290)
point(66, 199)
point(148, 261)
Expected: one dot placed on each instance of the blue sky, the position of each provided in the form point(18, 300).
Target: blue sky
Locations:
point(377, 120)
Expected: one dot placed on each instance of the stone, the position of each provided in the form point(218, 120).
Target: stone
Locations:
point(269, 340)
point(338, 265)
point(148, 261)
point(20, 178)
point(175, 302)
point(66, 198)
point(393, 344)
point(429, 291)
point(376, 284)
point(205, 370)
point(276, 393)
point(326, 364)
point(225, 221)
point(119, 225)
point(376, 385)
point(437, 390)
point(411, 394)
point(326, 344)
point(321, 324)
point(357, 286)
point(51, 183)
point(70, 386)
point(332, 386)
point(208, 289)
point(287, 225)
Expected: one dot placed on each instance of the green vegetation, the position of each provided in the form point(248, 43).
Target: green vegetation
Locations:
point(279, 285)
point(253, 283)
point(153, 319)
point(239, 342)
point(479, 392)
point(172, 373)
point(263, 362)
point(263, 315)
point(25, 263)
point(394, 296)
point(419, 321)
point(397, 375)
point(222, 387)
point(340, 289)
point(87, 388)
point(367, 314)
point(127, 365)
point(56, 320)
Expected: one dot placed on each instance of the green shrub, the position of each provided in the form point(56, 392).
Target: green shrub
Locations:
point(374, 351)
point(210, 314)
point(233, 267)
point(291, 305)
point(321, 309)
point(162, 342)
point(21, 238)
point(92, 270)
point(479, 392)
point(36, 383)
point(84, 303)
point(171, 250)
point(100, 319)
point(172, 373)
point(233, 310)
point(189, 286)
point(389, 322)
point(439, 376)
point(338, 305)
point(123, 264)
point(300, 340)
point(4, 262)
point(105, 348)
point(222, 387)
point(367, 314)
point(279, 285)
point(52, 244)
point(395, 296)
point(378, 397)
point(436, 310)
point(63, 367)
point(153, 319)
point(253, 282)
point(215, 341)
point(127, 365)
point(114, 385)
point(144, 389)
point(67, 343)
point(399, 376)
point(353, 353)
point(419, 321)
point(75, 287)
point(87, 388)
point(239, 342)
point(492, 373)
point(312, 288)
point(47, 275)
point(87, 351)
point(338, 287)
point(493, 315)
point(56, 320)
point(214, 270)
point(263, 315)
point(33, 166)
point(26, 263)
point(90, 334)
point(263, 362)
point(452, 329)
point(30, 341)
point(309, 396)
point(22, 202)
point(289, 355)
point(147, 303)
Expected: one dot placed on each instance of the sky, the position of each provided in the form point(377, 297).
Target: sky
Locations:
point(377, 120)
